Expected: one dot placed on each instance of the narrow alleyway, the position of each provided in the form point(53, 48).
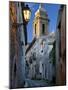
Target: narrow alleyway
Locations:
point(36, 83)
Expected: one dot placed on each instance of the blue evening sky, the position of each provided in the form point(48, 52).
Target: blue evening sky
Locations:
point(52, 11)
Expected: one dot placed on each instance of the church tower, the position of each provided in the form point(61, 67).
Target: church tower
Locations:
point(40, 22)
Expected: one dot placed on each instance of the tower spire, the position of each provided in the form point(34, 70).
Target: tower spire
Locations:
point(41, 5)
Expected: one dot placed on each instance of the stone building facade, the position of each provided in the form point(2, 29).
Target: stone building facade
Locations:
point(17, 58)
point(40, 66)
point(61, 47)
point(37, 53)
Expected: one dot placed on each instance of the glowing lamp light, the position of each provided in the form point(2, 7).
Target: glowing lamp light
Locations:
point(26, 13)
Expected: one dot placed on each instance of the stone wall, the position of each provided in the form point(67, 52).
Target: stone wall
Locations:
point(61, 47)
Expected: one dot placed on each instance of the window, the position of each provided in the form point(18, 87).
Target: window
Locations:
point(59, 28)
point(18, 4)
point(15, 70)
point(35, 28)
point(43, 28)
point(45, 72)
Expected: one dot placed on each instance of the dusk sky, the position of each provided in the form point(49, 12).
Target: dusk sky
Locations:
point(52, 11)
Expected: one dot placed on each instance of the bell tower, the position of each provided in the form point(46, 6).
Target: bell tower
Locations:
point(40, 22)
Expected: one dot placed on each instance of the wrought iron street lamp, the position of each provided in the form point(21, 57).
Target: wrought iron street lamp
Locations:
point(26, 13)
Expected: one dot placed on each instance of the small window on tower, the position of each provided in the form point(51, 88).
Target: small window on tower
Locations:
point(43, 28)
point(35, 28)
